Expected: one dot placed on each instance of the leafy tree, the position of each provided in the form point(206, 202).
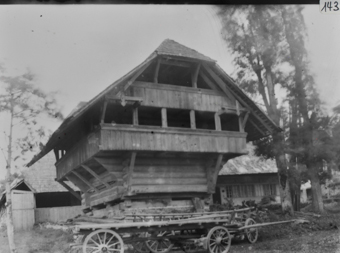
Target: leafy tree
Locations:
point(254, 36)
point(24, 103)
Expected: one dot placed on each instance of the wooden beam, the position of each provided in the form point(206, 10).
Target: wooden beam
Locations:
point(195, 75)
point(219, 82)
point(164, 118)
point(175, 63)
point(77, 182)
point(243, 121)
point(130, 171)
point(134, 77)
point(69, 189)
point(127, 98)
point(56, 153)
point(218, 126)
point(255, 125)
point(192, 119)
point(103, 112)
point(244, 103)
point(237, 108)
point(213, 173)
point(94, 174)
point(84, 180)
point(209, 82)
point(155, 77)
point(135, 116)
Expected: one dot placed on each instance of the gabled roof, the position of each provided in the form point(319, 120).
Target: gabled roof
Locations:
point(263, 123)
point(172, 48)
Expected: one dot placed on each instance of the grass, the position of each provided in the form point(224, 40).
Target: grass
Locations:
point(38, 240)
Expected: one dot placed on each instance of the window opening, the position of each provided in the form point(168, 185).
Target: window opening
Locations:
point(118, 114)
point(205, 120)
point(178, 118)
point(149, 116)
point(229, 122)
point(174, 75)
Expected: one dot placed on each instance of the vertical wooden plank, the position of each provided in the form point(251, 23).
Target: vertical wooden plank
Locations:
point(135, 116)
point(164, 118)
point(195, 75)
point(192, 119)
point(217, 122)
point(155, 77)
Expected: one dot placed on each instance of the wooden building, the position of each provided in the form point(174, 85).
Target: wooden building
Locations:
point(37, 197)
point(245, 178)
point(158, 136)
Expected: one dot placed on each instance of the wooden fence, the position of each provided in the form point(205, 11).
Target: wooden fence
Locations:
point(56, 214)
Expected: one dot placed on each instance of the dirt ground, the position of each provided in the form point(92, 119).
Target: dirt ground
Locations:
point(321, 237)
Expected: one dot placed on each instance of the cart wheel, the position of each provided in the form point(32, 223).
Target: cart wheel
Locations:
point(251, 233)
point(140, 246)
point(218, 240)
point(103, 240)
point(161, 245)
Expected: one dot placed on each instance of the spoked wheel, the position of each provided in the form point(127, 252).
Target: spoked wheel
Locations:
point(161, 245)
point(218, 240)
point(103, 241)
point(251, 233)
point(140, 246)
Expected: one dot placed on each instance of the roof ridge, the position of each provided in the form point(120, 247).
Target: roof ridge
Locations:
point(171, 47)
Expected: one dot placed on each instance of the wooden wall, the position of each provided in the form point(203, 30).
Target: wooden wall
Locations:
point(85, 149)
point(56, 214)
point(171, 96)
point(169, 179)
point(23, 204)
point(153, 139)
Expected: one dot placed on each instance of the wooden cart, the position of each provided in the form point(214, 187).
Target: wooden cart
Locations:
point(161, 233)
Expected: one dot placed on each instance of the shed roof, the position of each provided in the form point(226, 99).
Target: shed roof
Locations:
point(248, 164)
point(167, 48)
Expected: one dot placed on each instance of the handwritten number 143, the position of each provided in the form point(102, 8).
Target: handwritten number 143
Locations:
point(328, 5)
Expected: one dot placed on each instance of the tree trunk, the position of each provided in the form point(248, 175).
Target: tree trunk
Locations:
point(316, 189)
point(281, 163)
point(10, 228)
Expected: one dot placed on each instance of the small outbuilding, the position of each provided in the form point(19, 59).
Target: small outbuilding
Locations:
point(37, 197)
point(247, 178)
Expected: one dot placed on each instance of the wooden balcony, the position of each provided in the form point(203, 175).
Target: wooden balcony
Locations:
point(115, 138)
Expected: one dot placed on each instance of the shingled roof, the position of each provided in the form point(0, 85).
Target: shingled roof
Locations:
point(248, 164)
point(263, 124)
point(172, 48)
point(42, 174)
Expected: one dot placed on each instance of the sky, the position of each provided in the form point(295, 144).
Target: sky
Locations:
point(80, 50)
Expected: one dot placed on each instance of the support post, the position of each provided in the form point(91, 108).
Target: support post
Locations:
point(213, 173)
point(192, 119)
point(85, 181)
point(94, 174)
point(103, 112)
point(164, 118)
point(130, 171)
point(195, 75)
point(217, 122)
point(135, 116)
point(155, 77)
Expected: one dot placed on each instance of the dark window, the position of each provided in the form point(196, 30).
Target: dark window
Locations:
point(229, 122)
point(178, 118)
point(56, 199)
point(205, 120)
point(149, 116)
